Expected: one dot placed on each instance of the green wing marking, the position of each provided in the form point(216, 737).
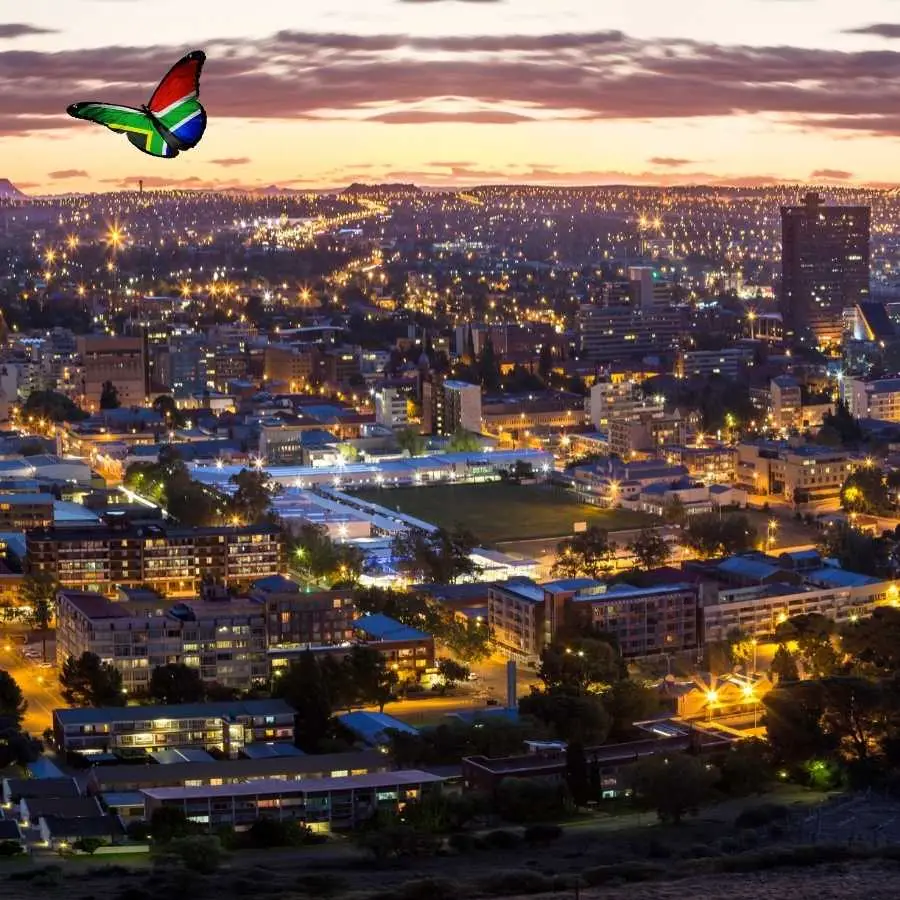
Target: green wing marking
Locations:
point(124, 119)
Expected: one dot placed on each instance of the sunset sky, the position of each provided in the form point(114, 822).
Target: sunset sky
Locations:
point(318, 93)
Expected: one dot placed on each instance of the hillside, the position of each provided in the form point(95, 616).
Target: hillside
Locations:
point(8, 191)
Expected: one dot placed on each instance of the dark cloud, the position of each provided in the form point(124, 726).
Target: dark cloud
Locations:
point(604, 75)
point(669, 161)
point(831, 175)
point(16, 30)
point(879, 29)
point(67, 173)
point(229, 161)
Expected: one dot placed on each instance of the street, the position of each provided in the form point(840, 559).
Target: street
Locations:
point(40, 686)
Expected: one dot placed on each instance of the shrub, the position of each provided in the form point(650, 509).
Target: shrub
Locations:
point(138, 831)
point(89, 845)
point(757, 816)
point(11, 848)
point(516, 881)
point(197, 853)
point(622, 872)
point(49, 874)
point(501, 840)
point(462, 842)
point(542, 834)
point(428, 889)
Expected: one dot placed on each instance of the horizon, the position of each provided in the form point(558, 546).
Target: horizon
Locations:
point(452, 94)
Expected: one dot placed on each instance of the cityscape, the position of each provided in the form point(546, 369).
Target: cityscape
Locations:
point(479, 534)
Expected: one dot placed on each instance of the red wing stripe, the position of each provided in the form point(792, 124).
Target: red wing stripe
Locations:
point(181, 81)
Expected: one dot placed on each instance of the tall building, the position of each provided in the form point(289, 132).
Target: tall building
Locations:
point(121, 360)
point(225, 641)
point(390, 408)
point(824, 266)
point(448, 405)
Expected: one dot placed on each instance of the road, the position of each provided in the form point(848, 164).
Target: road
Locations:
point(40, 686)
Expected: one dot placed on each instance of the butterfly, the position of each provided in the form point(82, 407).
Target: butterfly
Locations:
point(172, 121)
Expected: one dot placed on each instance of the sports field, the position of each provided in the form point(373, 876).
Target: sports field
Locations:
point(495, 511)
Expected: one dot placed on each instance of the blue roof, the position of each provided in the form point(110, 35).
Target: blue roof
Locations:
point(384, 628)
point(277, 584)
point(262, 750)
point(372, 727)
point(746, 568)
point(570, 584)
point(44, 768)
point(834, 577)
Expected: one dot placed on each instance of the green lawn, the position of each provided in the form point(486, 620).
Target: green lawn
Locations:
point(497, 512)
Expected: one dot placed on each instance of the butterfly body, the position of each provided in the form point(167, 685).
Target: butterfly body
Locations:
point(171, 122)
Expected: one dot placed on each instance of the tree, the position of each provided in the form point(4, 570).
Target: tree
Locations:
point(170, 413)
point(52, 406)
point(462, 441)
point(627, 702)
point(571, 715)
point(545, 360)
point(411, 441)
point(674, 512)
point(168, 823)
point(854, 716)
point(579, 666)
point(874, 642)
point(89, 845)
point(577, 775)
point(13, 704)
point(489, 365)
point(197, 852)
point(814, 634)
point(855, 551)
point(588, 554)
point(176, 683)
point(793, 717)
point(317, 558)
point(39, 594)
point(844, 423)
point(304, 686)
point(672, 785)
point(109, 396)
point(711, 534)
point(253, 496)
point(453, 672)
point(87, 681)
point(866, 491)
point(784, 666)
point(372, 681)
point(650, 549)
point(439, 558)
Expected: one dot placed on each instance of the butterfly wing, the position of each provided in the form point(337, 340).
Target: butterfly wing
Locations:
point(134, 123)
point(174, 104)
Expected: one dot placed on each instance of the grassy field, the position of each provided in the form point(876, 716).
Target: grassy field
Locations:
point(497, 512)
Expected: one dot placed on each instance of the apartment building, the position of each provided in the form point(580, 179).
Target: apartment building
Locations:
point(225, 640)
point(170, 560)
point(226, 727)
point(448, 405)
point(19, 512)
point(391, 408)
point(610, 399)
point(617, 333)
point(787, 402)
point(759, 595)
point(729, 363)
point(120, 360)
point(322, 804)
point(872, 398)
point(526, 616)
point(295, 617)
point(802, 474)
point(645, 433)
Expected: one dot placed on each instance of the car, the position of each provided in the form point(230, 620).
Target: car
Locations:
point(45, 665)
point(492, 701)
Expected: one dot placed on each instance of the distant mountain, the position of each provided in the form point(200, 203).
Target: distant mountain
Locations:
point(357, 188)
point(8, 191)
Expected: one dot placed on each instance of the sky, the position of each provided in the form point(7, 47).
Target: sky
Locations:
point(319, 93)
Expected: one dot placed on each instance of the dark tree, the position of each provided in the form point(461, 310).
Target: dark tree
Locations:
point(109, 396)
point(793, 720)
point(673, 785)
point(176, 683)
point(13, 705)
point(628, 702)
point(571, 716)
point(586, 555)
point(87, 681)
point(39, 594)
point(784, 666)
point(577, 774)
point(253, 496)
point(710, 534)
point(305, 687)
point(650, 549)
point(453, 672)
point(579, 665)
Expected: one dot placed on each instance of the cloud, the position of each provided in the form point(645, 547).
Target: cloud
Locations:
point(67, 173)
point(496, 79)
point(229, 161)
point(879, 29)
point(668, 161)
point(831, 175)
point(16, 30)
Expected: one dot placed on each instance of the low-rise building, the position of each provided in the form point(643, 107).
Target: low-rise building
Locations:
point(223, 726)
point(322, 804)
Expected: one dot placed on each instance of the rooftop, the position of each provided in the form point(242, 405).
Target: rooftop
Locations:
point(384, 628)
point(276, 787)
point(219, 710)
